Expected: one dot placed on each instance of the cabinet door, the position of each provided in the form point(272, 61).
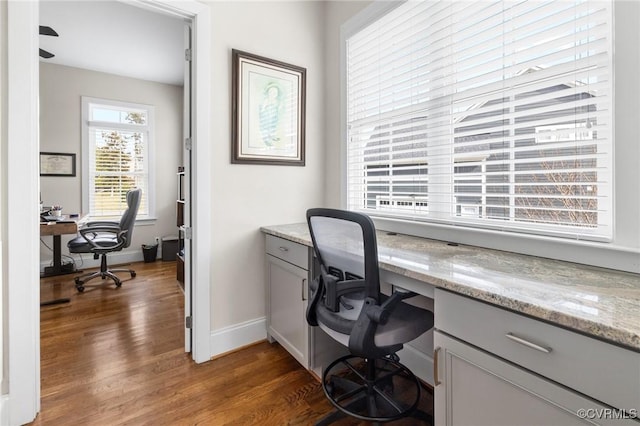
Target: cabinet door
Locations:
point(287, 305)
point(477, 388)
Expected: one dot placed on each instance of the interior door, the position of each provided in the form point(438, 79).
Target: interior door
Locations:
point(187, 188)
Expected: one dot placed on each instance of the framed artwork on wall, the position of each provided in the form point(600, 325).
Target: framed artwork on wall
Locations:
point(57, 164)
point(268, 111)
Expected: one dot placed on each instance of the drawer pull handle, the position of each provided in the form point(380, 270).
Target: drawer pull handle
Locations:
point(283, 248)
point(527, 343)
point(436, 380)
point(304, 285)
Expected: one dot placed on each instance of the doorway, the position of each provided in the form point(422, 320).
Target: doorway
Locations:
point(22, 263)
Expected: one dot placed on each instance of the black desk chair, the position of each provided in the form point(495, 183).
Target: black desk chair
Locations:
point(102, 237)
point(370, 383)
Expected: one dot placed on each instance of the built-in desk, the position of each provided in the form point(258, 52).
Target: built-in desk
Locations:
point(602, 303)
point(592, 316)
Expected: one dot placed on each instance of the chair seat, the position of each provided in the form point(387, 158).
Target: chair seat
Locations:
point(80, 245)
point(406, 323)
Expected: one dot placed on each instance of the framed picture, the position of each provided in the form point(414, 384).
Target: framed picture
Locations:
point(268, 109)
point(57, 164)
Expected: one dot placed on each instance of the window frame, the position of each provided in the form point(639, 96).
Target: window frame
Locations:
point(622, 252)
point(148, 128)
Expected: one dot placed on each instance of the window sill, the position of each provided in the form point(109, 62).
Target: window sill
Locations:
point(606, 255)
point(139, 221)
point(146, 221)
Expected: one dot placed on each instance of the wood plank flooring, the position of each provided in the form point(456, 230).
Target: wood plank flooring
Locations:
point(114, 356)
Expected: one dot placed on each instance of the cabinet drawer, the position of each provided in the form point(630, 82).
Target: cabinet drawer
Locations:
point(600, 370)
point(294, 253)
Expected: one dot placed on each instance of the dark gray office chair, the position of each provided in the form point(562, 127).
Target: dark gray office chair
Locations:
point(369, 384)
point(102, 237)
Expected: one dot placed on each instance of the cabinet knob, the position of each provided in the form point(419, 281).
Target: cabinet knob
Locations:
point(283, 248)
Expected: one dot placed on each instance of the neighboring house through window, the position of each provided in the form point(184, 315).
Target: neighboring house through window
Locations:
point(117, 156)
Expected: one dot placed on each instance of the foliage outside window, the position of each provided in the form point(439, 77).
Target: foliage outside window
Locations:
point(118, 145)
point(492, 114)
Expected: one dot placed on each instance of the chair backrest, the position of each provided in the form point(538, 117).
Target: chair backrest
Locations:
point(345, 245)
point(128, 218)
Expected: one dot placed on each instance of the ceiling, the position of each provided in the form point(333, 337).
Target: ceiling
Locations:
point(114, 38)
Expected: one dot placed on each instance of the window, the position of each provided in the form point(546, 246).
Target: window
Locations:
point(492, 114)
point(117, 141)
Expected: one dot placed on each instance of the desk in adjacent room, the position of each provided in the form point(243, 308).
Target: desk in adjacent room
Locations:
point(56, 229)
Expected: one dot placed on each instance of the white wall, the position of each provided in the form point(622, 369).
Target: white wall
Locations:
point(246, 197)
point(3, 206)
point(61, 89)
point(337, 13)
point(627, 123)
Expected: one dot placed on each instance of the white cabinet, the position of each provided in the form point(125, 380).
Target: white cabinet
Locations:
point(495, 367)
point(477, 388)
point(287, 277)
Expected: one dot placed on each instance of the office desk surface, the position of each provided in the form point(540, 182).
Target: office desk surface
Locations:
point(68, 226)
point(600, 302)
point(52, 228)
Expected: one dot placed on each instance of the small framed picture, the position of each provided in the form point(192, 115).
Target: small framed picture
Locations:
point(57, 164)
point(268, 111)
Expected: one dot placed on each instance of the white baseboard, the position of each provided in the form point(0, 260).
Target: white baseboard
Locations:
point(87, 260)
point(418, 362)
point(238, 335)
point(4, 409)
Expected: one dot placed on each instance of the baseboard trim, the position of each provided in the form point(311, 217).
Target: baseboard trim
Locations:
point(87, 261)
point(241, 348)
point(4, 409)
point(234, 337)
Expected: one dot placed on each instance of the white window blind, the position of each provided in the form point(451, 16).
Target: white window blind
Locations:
point(484, 113)
point(118, 157)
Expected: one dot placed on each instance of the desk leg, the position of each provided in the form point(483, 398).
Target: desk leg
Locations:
point(57, 253)
point(58, 268)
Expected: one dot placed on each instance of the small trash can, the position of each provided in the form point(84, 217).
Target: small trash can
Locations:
point(149, 252)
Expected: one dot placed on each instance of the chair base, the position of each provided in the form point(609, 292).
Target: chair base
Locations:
point(378, 390)
point(103, 273)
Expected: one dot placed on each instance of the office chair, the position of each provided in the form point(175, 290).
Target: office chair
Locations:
point(370, 383)
point(102, 237)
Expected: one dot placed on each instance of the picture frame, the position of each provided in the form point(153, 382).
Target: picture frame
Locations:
point(57, 164)
point(268, 111)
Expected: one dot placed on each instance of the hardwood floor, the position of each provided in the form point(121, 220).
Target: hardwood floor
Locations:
point(114, 356)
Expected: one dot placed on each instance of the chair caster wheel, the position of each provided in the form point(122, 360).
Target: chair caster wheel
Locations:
point(118, 284)
point(133, 275)
point(79, 285)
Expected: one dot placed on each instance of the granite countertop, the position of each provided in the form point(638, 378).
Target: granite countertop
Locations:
point(604, 303)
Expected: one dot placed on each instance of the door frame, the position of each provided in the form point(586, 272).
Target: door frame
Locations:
point(22, 342)
point(199, 272)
